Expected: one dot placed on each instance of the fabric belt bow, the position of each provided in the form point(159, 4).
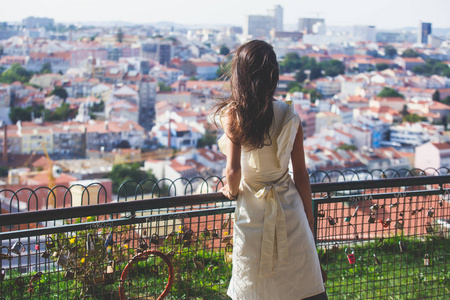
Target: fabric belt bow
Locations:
point(275, 232)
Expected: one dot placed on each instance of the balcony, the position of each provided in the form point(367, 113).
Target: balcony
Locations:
point(379, 235)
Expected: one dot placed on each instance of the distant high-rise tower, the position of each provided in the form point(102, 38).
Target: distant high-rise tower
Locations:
point(424, 31)
point(147, 99)
point(306, 25)
point(276, 12)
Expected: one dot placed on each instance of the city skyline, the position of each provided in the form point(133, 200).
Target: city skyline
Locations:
point(384, 14)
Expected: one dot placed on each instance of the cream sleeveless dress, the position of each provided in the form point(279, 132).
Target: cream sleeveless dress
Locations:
point(274, 255)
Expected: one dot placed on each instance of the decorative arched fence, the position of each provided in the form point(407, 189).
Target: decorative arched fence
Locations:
point(379, 234)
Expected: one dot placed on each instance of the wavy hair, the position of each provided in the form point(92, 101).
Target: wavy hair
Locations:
point(254, 76)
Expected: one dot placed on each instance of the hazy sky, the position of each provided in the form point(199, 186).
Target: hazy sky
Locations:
point(381, 13)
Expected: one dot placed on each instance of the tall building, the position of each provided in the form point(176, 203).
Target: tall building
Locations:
point(156, 50)
point(424, 31)
point(276, 12)
point(258, 26)
point(32, 22)
point(306, 25)
point(147, 99)
point(364, 33)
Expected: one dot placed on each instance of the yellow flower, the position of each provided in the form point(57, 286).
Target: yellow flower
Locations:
point(72, 240)
point(83, 260)
point(226, 232)
point(125, 246)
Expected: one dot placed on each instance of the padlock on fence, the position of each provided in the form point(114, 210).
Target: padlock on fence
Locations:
point(441, 203)
point(348, 218)
point(19, 281)
point(142, 245)
point(2, 274)
point(228, 253)
point(350, 256)
point(45, 254)
point(393, 205)
point(187, 236)
point(374, 207)
point(63, 258)
point(6, 255)
point(426, 260)
point(37, 246)
point(321, 213)
point(429, 228)
point(18, 248)
point(110, 268)
point(386, 223)
point(70, 273)
point(431, 212)
point(206, 232)
point(371, 218)
point(331, 221)
point(214, 233)
point(399, 224)
point(154, 239)
point(49, 243)
point(170, 236)
point(36, 277)
point(90, 243)
point(170, 254)
point(226, 222)
point(109, 240)
point(198, 264)
point(227, 239)
point(401, 246)
point(377, 261)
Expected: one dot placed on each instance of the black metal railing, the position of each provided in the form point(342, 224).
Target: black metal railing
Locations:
point(377, 239)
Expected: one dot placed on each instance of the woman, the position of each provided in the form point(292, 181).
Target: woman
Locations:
point(274, 254)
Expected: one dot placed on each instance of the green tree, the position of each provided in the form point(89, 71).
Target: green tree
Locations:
point(390, 51)
point(404, 111)
point(432, 67)
point(208, 139)
point(347, 147)
point(1, 50)
point(332, 67)
point(119, 36)
point(46, 68)
point(124, 172)
point(20, 114)
point(381, 67)
point(163, 87)
point(294, 86)
point(414, 118)
point(446, 100)
point(60, 92)
point(389, 93)
point(4, 171)
point(16, 73)
point(410, 53)
point(224, 50)
point(290, 63)
point(437, 96)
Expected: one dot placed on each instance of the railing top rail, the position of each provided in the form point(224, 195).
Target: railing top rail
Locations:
point(188, 200)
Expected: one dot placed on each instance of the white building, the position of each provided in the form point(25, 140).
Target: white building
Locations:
point(432, 155)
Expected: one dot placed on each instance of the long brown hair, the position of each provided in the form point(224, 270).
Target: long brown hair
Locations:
point(253, 77)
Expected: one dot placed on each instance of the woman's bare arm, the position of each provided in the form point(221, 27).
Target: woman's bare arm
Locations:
point(233, 167)
point(301, 177)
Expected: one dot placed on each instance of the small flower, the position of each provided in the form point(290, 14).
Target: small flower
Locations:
point(82, 260)
point(72, 240)
point(125, 246)
point(226, 233)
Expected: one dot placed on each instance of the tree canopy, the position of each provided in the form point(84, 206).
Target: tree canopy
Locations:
point(119, 36)
point(388, 92)
point(390, 51)
point(16, 73)
point(60, 92)
point(432, 67)
point(410, 53)
point(292, 62)
point(124, 172)
point(224, 50)
point(46, 68)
